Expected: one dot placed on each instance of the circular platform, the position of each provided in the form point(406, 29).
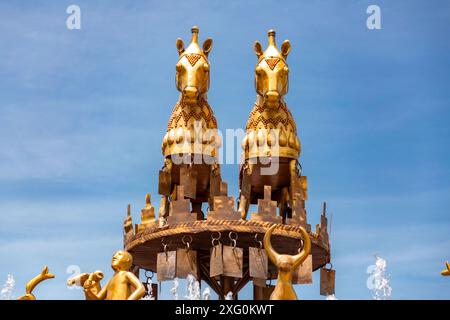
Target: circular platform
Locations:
point(145, 245)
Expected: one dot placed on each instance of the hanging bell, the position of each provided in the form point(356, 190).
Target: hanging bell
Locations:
point(327, 279)
point(216, 257)
point(233, 258)
point(186, 260)
point(258, 262)
point(165, 264)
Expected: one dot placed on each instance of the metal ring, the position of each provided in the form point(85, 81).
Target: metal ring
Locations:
point(231, 238)
point(147, 276)
point(328, 263)
point(258, 242)
point(218, 232)
point(164, 243)
point(185, 241)
point(215, 241)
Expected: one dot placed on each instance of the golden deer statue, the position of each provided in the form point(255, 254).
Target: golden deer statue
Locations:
point(271, 141)
point(190, 146)
point(286, 265)
point(447, 271)
point(44, 275)
point(87, 280)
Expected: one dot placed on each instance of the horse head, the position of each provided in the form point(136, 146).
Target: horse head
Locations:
point(271, 72)
point(192, 69)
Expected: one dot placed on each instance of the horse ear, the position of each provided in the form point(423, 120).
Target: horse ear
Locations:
point(207, 46)
point(285, 48)
point(257, 48)
point(180, 46)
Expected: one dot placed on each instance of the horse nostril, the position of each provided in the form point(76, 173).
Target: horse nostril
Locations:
point(272, 95)
point(190, 92)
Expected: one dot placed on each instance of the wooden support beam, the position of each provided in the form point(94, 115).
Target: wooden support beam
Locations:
point(242, 282)
point(210, 281)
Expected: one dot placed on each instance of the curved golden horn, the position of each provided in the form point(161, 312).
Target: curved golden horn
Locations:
point(299, 258)
point(271, 253)
point(446, 272)
point(44, 275)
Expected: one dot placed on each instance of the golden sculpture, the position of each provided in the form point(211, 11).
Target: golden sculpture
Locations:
point(286, 265)
point(87, 280)
point(446, 272)
point(124, 285)
point(44, 275)
point(187, 185)
point(271, 134)
point(191, 136)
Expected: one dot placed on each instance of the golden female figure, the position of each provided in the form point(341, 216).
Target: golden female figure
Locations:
point(286, 265)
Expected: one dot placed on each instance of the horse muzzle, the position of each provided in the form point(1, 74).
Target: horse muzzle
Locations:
point(272, 98)
point(190, 95)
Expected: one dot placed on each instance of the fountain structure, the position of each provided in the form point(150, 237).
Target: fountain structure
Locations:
point(222, 245)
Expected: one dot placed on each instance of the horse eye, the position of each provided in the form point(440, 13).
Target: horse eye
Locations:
point(206, 67)
point(178, 67)
point(286, 70)
point(259, 71)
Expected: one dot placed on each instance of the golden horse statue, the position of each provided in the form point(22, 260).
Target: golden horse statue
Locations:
point(286, 265)
point(87, 280)
point(191, 142)
point(271, 135)
point(447, 271)
point(44, 275)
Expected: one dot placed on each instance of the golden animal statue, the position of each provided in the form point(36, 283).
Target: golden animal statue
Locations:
point(190, 145)
point(87, 280)
point(271, 146)
point(286, 265)
point(44, 275)
point(124, 285)
point(447, 271)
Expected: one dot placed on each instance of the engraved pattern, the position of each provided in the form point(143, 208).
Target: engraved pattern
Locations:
point(261, 117)
point(272, 62)
point(193, 58)
point(181, 116)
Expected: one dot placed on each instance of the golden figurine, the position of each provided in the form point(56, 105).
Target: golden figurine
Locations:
point(44, 275)
point(286, 265)
point(446, 272)
point(271, 134)
point(124, 285)
point(191, 136)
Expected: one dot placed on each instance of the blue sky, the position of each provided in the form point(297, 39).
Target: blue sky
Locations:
point(83, 114)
